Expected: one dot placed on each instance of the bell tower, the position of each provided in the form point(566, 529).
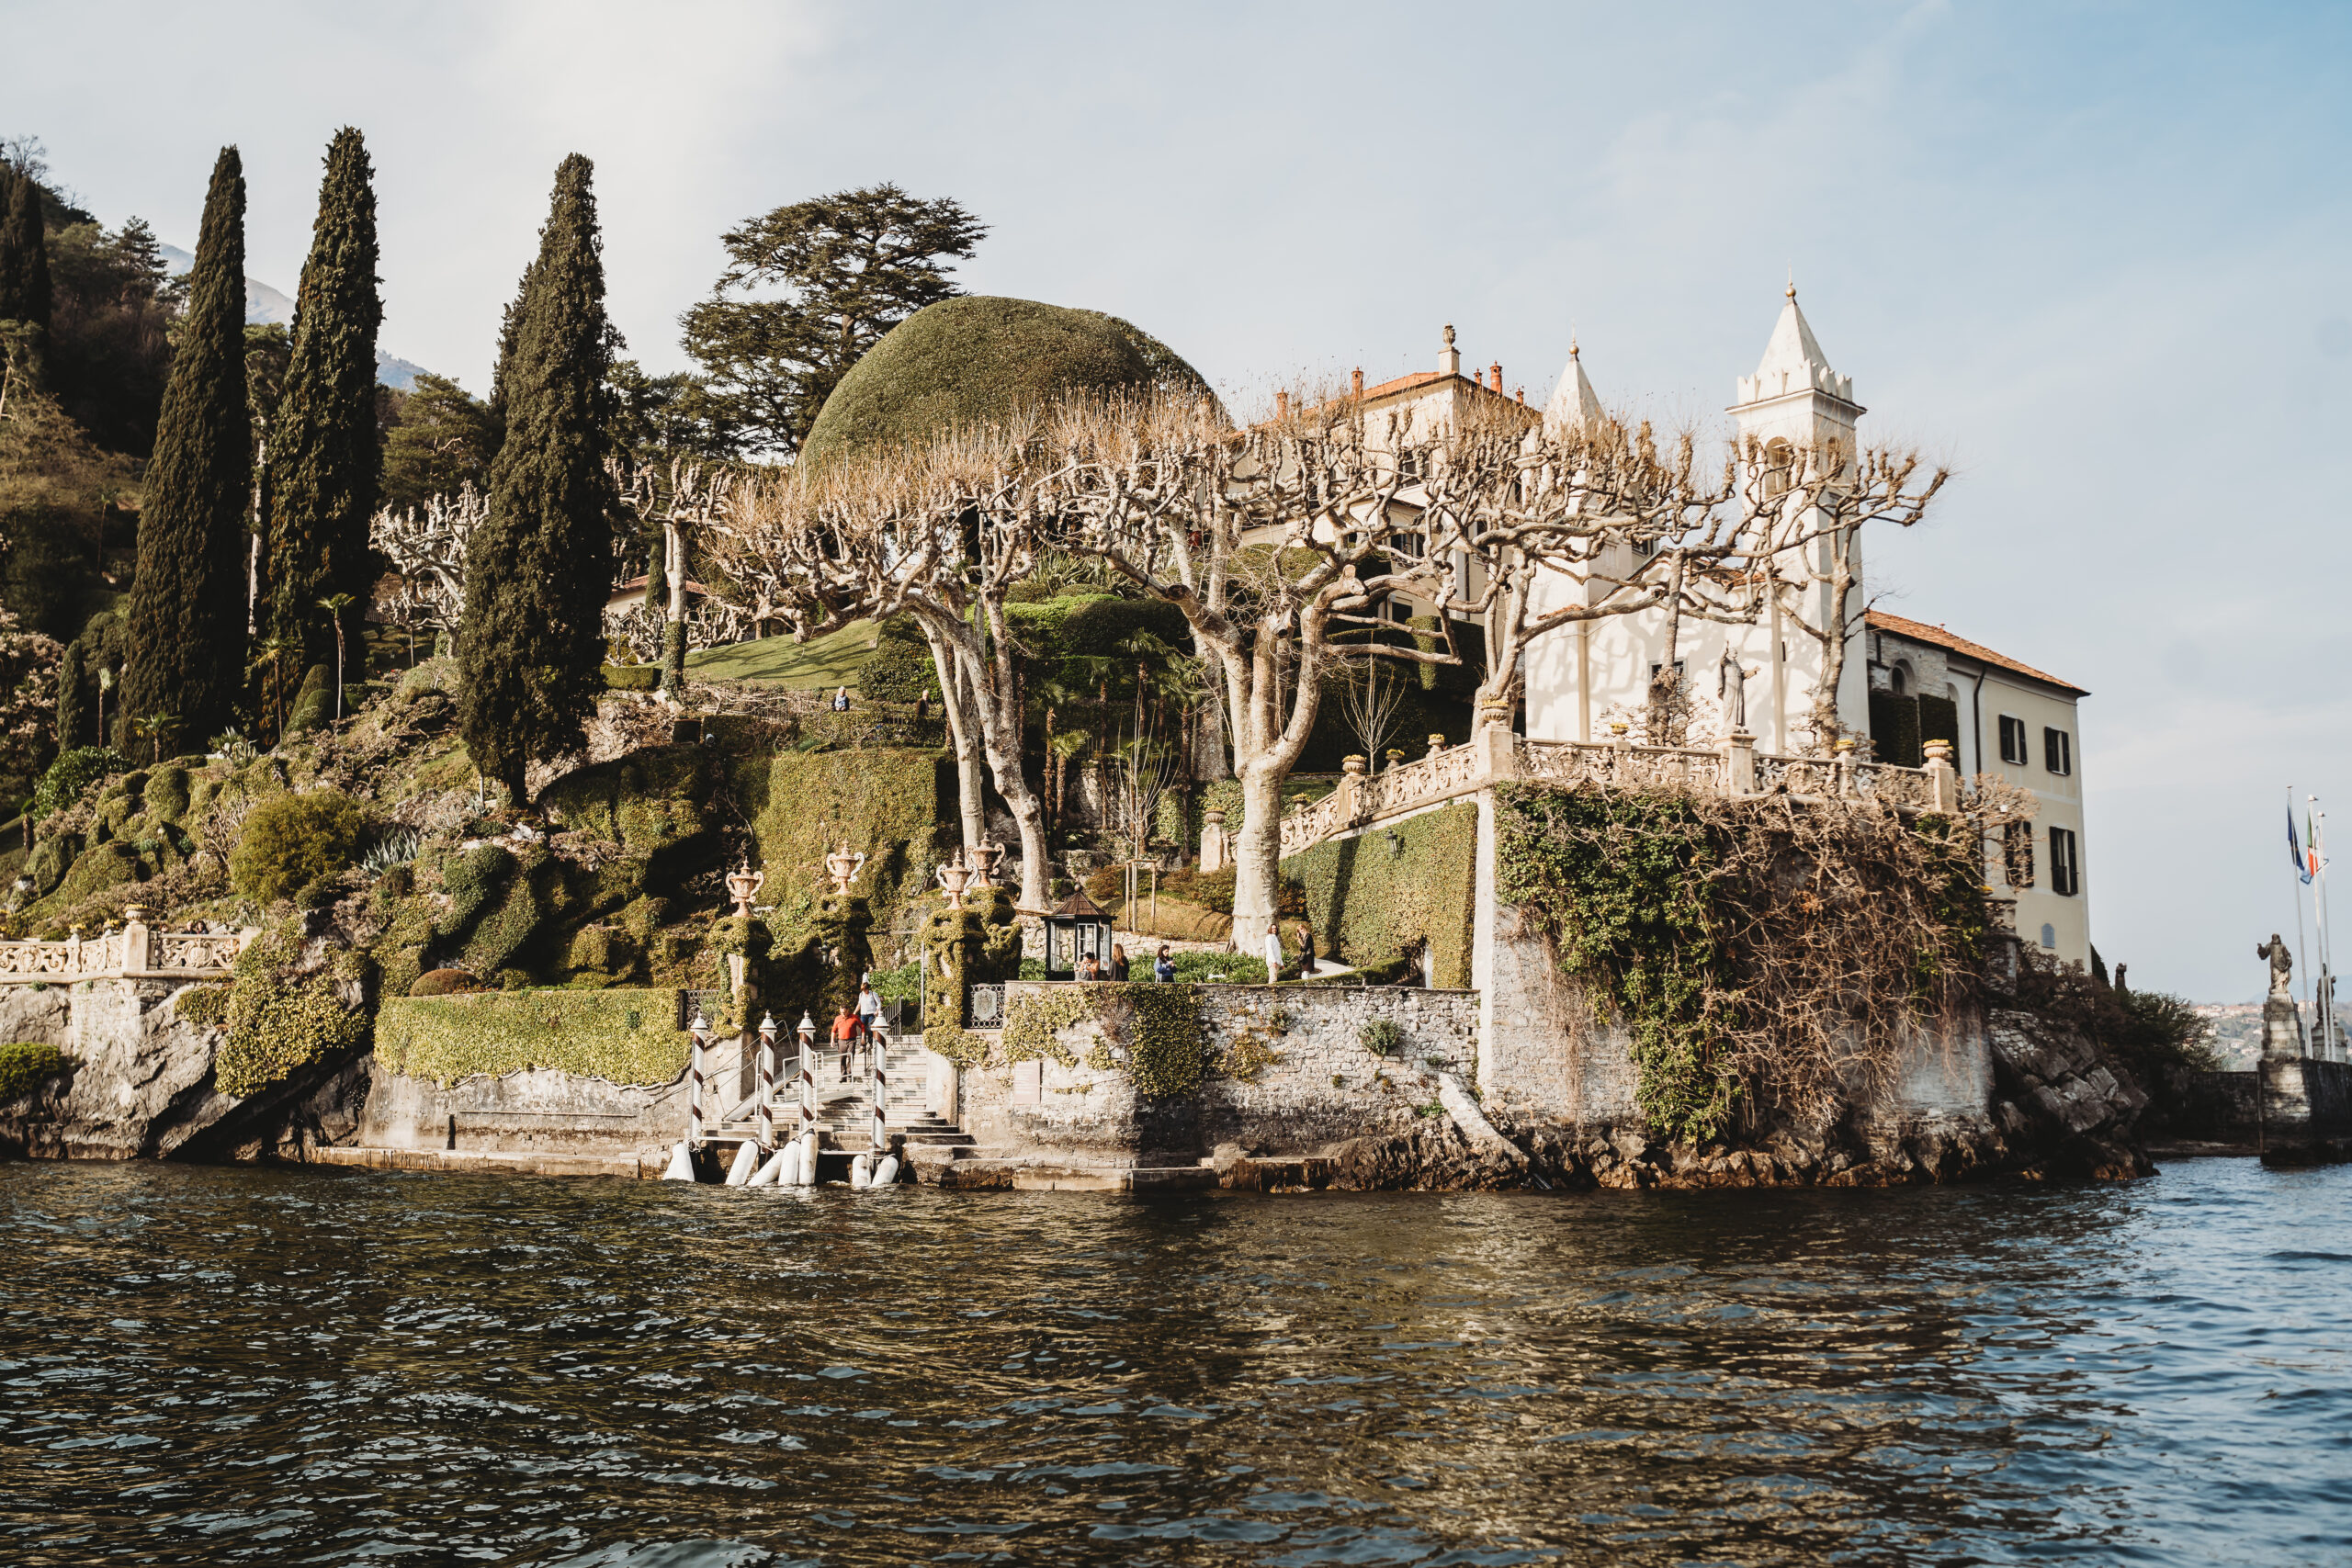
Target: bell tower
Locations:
point(1794, 396)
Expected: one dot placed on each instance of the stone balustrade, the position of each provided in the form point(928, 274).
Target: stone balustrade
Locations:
point(1736, 768)
point(136, 949)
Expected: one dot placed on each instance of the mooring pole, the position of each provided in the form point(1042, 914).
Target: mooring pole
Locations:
point(700, 1030)
point(767, 1081)
point(876, 1045)
point(807, 1032)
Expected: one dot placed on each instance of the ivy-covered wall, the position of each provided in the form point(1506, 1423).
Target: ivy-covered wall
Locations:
point(887, 803)
point(622, 1036)
point(1372, 895)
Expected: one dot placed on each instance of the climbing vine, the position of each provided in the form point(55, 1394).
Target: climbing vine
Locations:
point(1167, 1053)
point(1758, 949)
point(1034, 1023)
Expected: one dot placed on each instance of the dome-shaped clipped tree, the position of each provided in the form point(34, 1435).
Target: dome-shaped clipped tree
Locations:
point(979, 360)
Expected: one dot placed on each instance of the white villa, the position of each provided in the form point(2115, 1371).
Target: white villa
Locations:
point(1902, 682)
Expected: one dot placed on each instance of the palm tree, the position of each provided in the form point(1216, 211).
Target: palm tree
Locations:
point(155, 727)
point(271, 659)
point(334, 605)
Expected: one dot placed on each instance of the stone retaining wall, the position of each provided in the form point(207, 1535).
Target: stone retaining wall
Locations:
point(1316, 1085)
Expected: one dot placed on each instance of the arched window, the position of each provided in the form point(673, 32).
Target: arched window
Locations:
point(1780, 469)
point(1898, 680)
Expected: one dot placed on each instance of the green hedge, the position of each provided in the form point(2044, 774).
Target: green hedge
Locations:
point(622, 1035)
point(632, 677)
point(1373, 896)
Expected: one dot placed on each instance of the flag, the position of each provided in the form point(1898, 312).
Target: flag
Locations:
point(2314, 858)
point(2295, 848)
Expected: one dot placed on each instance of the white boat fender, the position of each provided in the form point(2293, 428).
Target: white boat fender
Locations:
point(772, 1172)
point(861, 1170)
point(809, 1159)
point(747, 1164)
point(788, 1165)
point(681, 1163)
point(886, 1173)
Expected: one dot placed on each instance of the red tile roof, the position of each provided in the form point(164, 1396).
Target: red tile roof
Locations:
point(1919, 631)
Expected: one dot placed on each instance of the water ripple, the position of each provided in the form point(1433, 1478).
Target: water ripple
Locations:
point(232, 1365)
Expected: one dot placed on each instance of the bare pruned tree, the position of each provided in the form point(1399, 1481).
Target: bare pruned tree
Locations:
point(427, 548)
point(942, 532)
point(1813, 502)
point(1274, 540)
point(681, 502)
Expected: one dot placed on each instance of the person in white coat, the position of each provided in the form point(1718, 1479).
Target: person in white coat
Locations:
point(1273, 951)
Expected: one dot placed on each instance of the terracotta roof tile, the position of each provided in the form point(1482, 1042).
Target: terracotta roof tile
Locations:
point(1919, 631)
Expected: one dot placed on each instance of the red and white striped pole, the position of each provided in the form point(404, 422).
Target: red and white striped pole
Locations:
point(767, 1081)
point(700, 1030)
point(807, 1032)
point(878, 1043)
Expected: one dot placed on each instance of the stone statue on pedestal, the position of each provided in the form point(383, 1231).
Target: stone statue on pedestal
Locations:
point(2282, 965)
point(1731, 685)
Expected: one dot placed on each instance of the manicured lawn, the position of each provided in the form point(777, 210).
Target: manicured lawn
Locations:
point(822, 661)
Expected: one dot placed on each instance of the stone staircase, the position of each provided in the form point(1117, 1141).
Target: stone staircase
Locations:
point(845, 1108)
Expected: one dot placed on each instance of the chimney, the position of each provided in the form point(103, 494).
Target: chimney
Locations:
point(1356, 383)
point(1282, 405)
point(1522, 394)
point(1495, 370)
point(1449, 360)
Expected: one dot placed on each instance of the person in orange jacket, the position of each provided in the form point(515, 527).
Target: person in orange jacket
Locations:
point(846, 1036)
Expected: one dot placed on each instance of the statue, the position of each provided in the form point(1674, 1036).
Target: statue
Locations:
point(743, 884)
point(953, 879)
point(2282, 964)
point(844, 867)
point(1731, 685)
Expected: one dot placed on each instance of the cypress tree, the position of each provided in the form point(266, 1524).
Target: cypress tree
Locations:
point(187, 601)
point(11, 290)
point(324, 463)
point(72, 698)
point(531, 642)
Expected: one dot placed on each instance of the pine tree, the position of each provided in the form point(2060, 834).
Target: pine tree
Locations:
point(187, 600)
point(531, 643)
point(323, 457)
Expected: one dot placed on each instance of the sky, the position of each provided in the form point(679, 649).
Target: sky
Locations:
point(2088, 254)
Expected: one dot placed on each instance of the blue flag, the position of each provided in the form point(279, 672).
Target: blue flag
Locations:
point(2295, 848)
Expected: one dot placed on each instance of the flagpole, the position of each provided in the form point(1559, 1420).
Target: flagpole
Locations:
point(2326, 1051)
point(2301, 867)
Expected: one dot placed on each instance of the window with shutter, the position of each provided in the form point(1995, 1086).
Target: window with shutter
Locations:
point(2058, 752)
point(2065, 876)
point(2017, 854)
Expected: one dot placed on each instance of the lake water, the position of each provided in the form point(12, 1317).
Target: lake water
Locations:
point(230, 1366)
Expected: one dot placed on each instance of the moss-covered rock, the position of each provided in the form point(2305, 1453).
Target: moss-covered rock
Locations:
point(313, 701)
point(95, 870)
point(50, 861)
point(979, 360)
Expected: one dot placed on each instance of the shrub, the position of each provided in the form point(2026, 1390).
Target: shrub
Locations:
point(291, 841)
point(1382, 1037)
point(314, 702)
point(205, 1005)
point(444, 983)
point(276, 1026)
point(900, 670)
point(73, 772)
point(622, 1035)
point(632, 677)
point(25, 1064)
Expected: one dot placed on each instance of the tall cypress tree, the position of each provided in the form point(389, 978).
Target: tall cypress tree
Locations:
point(324, 464)
point(12, 306)
point(187, 602)
point(538, 573)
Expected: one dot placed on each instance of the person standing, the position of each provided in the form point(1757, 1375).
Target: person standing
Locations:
point(1273, 951)
point(845, 1038)
point(1118, 961)
point(1307, 949)
point(1164, 970)
point(869, 1009)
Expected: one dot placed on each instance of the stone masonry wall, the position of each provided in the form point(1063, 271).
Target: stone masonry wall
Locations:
point(534, 1111)
point(1320, 1085)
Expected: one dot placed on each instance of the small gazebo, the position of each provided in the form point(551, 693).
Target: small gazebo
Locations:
point(1075, 928)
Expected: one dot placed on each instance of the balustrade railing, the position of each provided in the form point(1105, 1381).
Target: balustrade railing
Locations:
point(136, 948)
point(1736, 768)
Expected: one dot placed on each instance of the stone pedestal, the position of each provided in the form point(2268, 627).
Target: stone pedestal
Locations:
point(1739, 756)
point(1216, 853)
point(2282, 1029)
